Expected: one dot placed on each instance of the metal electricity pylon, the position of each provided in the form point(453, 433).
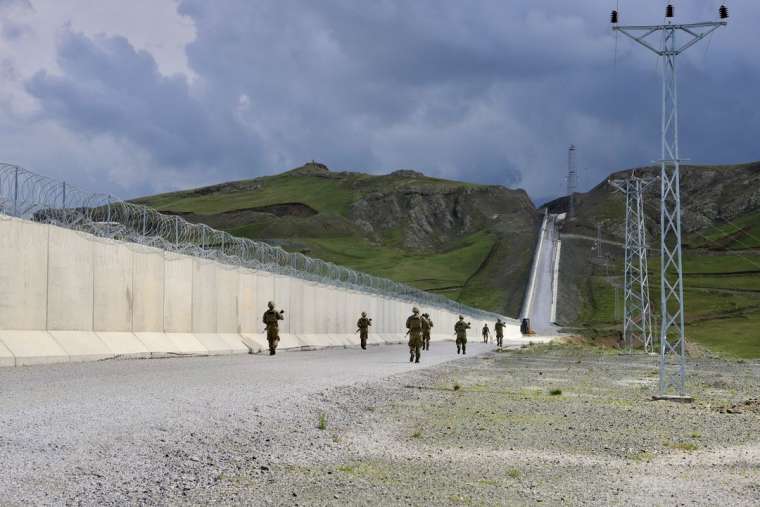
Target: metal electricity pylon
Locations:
point(572, 181)
point(637, 308)
point(672, 342)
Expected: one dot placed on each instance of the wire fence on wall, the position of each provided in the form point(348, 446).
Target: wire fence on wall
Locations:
point(24, 194)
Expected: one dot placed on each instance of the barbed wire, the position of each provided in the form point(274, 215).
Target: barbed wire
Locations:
point(27, 195)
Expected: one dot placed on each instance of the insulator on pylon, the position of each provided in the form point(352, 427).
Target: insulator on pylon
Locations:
point(669, 11)
point(723, 11)
point(614, 17)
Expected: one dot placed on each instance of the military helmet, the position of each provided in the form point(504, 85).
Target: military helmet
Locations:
point(364, 314)
point(270, 305)
point(461, 318)
point(415, 310)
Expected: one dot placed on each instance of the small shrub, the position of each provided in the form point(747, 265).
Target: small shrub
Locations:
point(682, 446)
point(417, 433)
point(322, 422)
point(514, 473)
point(457, 387)
point(555, 392)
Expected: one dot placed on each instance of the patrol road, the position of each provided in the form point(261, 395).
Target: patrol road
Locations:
point(64, 427)
point(540, 313)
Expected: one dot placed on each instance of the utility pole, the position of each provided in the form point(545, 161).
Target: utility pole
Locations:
point(637, 309)
point(598, 242)
point(572, 181)
point(672, 342)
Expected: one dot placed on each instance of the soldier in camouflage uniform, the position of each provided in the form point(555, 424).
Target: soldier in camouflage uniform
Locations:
point(270, 319)
point(461, 328)
point(414, 329)
point(363, 324)
point(499, 326)
point(486, 333)
point(427, 325)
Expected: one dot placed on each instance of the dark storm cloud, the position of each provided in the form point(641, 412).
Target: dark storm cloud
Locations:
point(489, 91)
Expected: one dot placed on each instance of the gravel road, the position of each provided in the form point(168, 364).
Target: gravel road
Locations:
point(127, 431)
point(549, 425)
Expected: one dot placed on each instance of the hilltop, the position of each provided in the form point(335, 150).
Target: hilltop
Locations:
point(721, 239)
point(472, 243)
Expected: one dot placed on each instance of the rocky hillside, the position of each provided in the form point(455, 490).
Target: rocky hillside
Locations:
point(721, 226)
point(472, 243)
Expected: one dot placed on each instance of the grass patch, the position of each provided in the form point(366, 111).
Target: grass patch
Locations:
point(417, 433)
point(322, 424)
point(555, 392)
point(514, 473)
point(682, 446)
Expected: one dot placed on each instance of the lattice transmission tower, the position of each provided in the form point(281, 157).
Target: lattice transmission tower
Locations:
point(669, 47)
point(572, 181)
point(637, 307)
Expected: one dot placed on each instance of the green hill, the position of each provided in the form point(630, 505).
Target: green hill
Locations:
point(721, 226)
point(471, 243)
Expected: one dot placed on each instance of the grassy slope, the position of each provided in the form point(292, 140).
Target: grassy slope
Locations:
point(456, 272)
point(721, 282)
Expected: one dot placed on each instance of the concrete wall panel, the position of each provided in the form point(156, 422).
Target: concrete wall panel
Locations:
point(33, 347)
point(82, 345)
point(178, 294)
point(23, 274)
point(147, 290)
point(204, 296)
point(249, 317)
point(123, 344)
point(70, 282)
point(227, 290)
point(6, 356)
point(112, 278)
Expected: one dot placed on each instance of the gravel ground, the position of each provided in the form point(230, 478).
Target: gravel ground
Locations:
point(485, 430)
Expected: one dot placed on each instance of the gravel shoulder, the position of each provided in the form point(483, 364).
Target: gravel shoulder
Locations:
point(485, 430)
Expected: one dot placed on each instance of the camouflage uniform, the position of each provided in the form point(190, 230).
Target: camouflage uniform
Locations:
point(461, 328)
point(427, 325)
point(271, 316)
point(363, 324)
point(499, 326)
point(414, 325)
point(486, 333)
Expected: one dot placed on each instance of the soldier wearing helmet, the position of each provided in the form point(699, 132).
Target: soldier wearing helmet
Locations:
point(460, 328)
point(427, 324)
point(270, 319)
point(363, 325)
point(414, 329)
point(499, 326)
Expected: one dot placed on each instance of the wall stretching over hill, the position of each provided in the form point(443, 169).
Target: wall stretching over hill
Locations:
point(66, 295)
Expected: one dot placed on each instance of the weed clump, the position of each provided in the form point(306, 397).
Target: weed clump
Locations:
point(322, 425)
point(514, 473)
point(457, 387)
point(555, 392)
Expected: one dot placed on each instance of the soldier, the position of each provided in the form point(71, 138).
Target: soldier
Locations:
point(486, 333)
point(363, 324)
point(270, 319)
point(427, 324)
point(414, 329)
point(461, 328)
point(499, 326)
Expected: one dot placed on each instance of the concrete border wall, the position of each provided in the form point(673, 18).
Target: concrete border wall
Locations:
point(70, 296)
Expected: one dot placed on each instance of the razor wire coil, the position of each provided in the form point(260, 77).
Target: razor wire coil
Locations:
point(25, 194)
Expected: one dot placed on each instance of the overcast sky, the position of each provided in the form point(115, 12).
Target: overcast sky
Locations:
point(153, 95)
